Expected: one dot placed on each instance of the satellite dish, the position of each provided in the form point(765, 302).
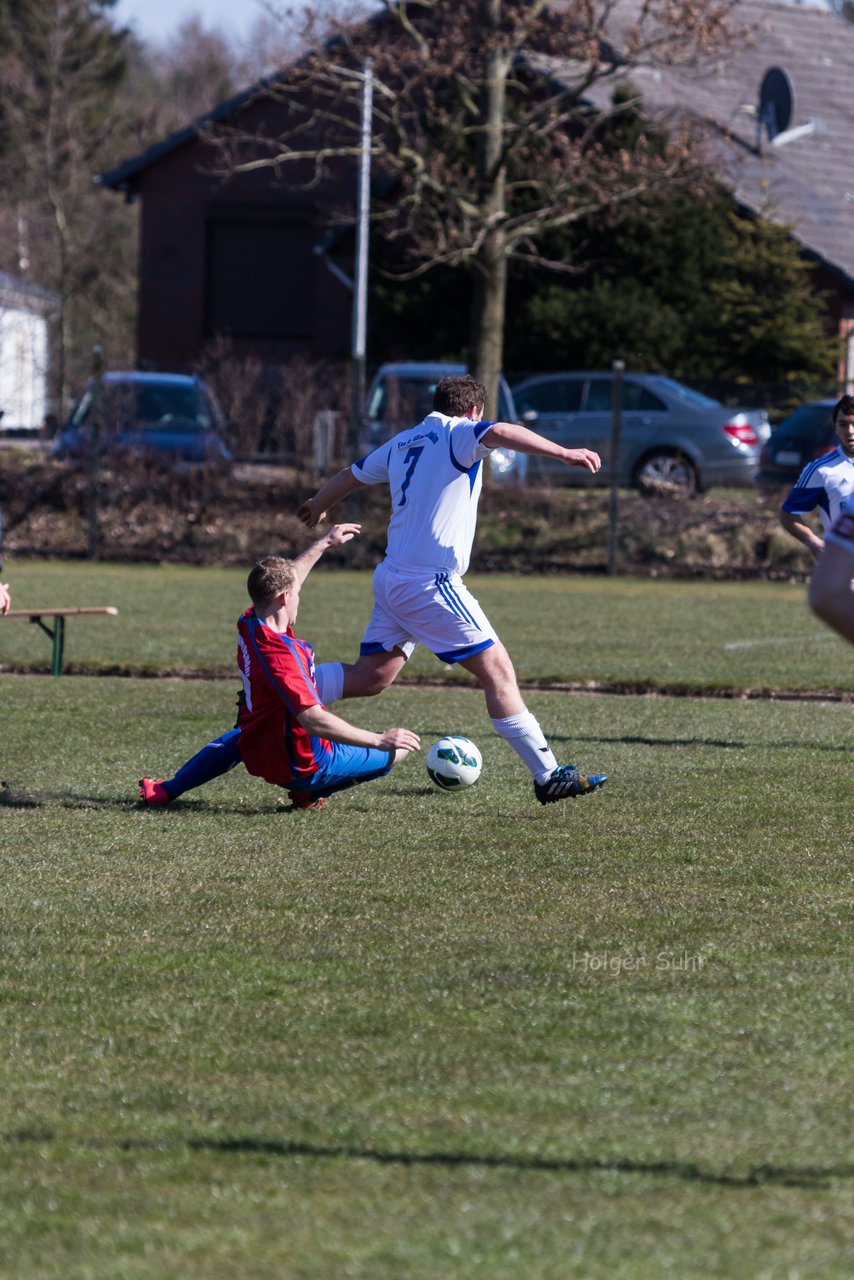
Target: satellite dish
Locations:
point(776, 103)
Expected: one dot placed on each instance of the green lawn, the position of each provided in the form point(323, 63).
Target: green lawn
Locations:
point(427, 1035)
point(675, 636)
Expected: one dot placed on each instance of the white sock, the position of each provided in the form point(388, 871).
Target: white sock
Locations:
point(524, 735)
point(329, 678)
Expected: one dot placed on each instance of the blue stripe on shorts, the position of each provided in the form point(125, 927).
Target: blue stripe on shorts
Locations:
point(460, 655)
point(452, 600)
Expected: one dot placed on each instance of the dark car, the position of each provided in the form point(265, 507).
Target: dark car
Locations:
point(165, 413)
point(672, 439)
point(806, 434)
point(401, 395)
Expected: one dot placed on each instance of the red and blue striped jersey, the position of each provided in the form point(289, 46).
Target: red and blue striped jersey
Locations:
point(278, 683)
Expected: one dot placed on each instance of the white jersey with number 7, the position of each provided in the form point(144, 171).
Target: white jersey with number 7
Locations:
point(434, 474)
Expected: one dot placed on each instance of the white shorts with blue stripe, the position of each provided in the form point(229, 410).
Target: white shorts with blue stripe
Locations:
point(435, 609)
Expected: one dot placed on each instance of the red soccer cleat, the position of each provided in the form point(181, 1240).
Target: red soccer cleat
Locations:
point(152, 791)
point(305, 800)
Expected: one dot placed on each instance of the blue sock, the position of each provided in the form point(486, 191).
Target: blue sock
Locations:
point(220, 755)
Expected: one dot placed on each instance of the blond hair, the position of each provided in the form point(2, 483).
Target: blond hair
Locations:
point(268, 579)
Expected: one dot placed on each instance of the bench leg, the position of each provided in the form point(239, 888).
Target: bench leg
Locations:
point(58, 646)
point(57, 635)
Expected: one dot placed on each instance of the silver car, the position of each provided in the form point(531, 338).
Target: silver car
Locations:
point(672, 439)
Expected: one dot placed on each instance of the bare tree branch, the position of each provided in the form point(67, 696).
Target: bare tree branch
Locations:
point(496, 122)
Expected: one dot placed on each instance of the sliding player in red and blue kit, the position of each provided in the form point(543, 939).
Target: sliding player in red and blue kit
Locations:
point(278, 683)
point(277, 670)
point(285, 734)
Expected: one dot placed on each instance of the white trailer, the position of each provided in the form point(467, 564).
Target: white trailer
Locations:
point(25, 316)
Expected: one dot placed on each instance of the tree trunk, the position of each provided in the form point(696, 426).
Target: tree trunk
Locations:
point(488, 308)
point(490, 263)
point(63, 336)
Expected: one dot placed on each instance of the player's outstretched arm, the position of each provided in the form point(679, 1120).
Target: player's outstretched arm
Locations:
point(336, 537)
point(325, 724)
point(336, 488)
point(799, 529)
point(511, 436)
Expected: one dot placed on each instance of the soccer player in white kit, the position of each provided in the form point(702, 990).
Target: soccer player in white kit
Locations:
point(826, 483)
point(434, 474)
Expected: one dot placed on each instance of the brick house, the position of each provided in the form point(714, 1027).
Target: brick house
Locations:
point(787, 154)
point(243, 258)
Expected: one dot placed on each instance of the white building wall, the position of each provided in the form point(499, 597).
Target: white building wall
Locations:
point(23, 369)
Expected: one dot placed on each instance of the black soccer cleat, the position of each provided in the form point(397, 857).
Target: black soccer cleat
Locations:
point(566, 782)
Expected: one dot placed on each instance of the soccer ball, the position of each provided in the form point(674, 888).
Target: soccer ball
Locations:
point(454, 762)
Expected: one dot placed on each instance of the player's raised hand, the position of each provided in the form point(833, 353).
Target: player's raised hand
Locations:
point(341, 533)
point(585, 458)
point(309, 514)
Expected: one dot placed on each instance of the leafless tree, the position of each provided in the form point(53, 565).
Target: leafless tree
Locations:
point(495, 124)
point(279, 407)
point(170, 85)
point(61, 65)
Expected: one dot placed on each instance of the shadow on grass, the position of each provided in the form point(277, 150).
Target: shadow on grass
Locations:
point(811, 1176)
point(758, 1176)
point(17, 798)
point(633, 740)
point(14, 798)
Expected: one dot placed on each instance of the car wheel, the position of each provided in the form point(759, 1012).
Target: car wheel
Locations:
point(665, 472)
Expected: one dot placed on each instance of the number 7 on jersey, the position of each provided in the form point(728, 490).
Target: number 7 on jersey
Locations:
point(411, 456)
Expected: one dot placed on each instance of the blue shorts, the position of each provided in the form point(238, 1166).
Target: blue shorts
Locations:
point(346, 767)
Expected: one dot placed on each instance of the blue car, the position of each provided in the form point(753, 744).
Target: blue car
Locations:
point(170, 414)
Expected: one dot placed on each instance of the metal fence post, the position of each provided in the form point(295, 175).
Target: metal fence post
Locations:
point(95, 455)
point(616, 422)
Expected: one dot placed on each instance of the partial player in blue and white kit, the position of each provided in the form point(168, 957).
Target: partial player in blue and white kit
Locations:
point(826, 484)
point(830, 595)
point(434, 474)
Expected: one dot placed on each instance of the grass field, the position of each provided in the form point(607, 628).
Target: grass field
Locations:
point(421, 1035)
point(671, 636)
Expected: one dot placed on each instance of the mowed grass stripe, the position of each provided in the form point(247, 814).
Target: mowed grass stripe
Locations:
point(422, 1034)
point(680, 637)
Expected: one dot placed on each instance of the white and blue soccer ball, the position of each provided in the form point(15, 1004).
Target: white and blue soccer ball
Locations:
point(454, 763)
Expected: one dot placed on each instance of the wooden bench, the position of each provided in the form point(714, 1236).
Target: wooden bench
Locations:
point(57, 631)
